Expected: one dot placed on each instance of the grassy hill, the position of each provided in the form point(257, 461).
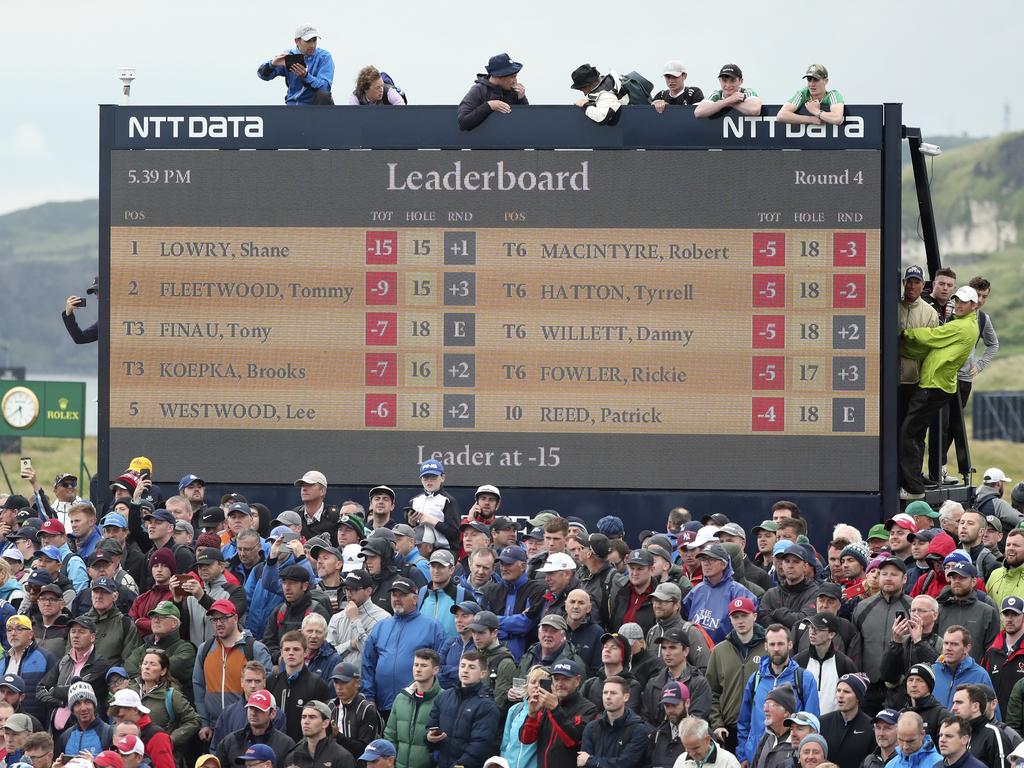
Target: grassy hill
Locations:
point(48, 253)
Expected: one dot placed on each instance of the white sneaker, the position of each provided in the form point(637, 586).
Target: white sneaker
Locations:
point(906, 495)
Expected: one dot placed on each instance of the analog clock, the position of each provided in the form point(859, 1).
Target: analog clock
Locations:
point(20, 407)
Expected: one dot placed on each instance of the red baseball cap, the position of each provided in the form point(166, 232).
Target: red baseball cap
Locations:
point(903, 520)
point(263, 700)
point(54, 527)
point(742, 605)
point(108, 759)
point(129, 744)
point(223, 606)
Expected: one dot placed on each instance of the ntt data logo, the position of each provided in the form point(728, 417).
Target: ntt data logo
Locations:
point(196, 127)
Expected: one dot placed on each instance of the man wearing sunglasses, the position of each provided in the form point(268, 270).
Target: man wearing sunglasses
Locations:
point(820, 104)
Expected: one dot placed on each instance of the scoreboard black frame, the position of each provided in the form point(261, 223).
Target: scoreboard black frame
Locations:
point(262, 128)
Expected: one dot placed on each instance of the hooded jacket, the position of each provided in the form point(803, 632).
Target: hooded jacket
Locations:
point(731, 665)
point(772, 751)
point(388, 654)
point(700, 648)
point(941, 350)
point(1005, 582)
point(407, 726)
point(925, 757)
point(236, 742)
point(593, 686)
point(787, 604)
point(289, 616)
point(558, 732)
point(988, 501)
point(602, 588)
point(263, 591)
point(290, 691)
point(946, 679)
point(827, 672)
point(383, 580)
point(474, 109)
point(700, 693)
point(517, 605)
point(874, 618)
point(708, 605)
point(35, 663)
point(1004, 669)
point(587, 639)
point(750, 725)
point(644, 612)
point(470, 719)
point(437, 603)
point(980, 618)
point(644, 665)
point(519, 755)
point(621, 744)
point(116, 636)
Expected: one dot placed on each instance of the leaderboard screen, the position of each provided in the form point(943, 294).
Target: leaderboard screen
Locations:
point(603, 319)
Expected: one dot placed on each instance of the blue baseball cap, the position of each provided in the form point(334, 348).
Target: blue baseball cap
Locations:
point(257, 753)
point(186, 481)
point(781, 547)
point(890, 716)
point(114, 518)
point(40, 579)
point(161, 514)
point(610, 525)
point(105, 583)
point(377, 749)
point(431, 467)
point(512, 554)
point(466, 606)
point(914, 272)
point(118, 671)
point(51, 552)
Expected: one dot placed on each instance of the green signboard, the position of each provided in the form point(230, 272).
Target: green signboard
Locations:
point(42, 408)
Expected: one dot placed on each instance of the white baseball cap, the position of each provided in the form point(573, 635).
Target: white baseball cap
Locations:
point(558, 561)
point(488, 489)
point(996, 475)
point(674, 67)
point(312, 478)
point(126, 697)
point(351, 557)
point(306, 32)
point(705, 535)
point(966, 293)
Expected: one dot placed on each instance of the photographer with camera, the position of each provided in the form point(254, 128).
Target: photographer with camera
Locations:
point(90, 334)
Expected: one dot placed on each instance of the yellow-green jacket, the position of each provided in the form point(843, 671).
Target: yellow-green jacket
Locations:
point(941, 350)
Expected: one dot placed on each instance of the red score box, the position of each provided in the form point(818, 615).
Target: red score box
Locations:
point(768, 332)
point(381, 288)
point(848, 291)
point(768, 372)
point(381, 247)
point(768, 291)
point(381, 329)
point(769, 249)
point(381, 369)
point(381, 411)
point(849, 249)
point(768, 414)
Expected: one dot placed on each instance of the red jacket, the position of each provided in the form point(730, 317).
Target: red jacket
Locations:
point(158, 744)
point(144, 603)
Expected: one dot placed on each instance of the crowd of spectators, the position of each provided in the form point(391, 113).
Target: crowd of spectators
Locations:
point(309, 74)
point(167, 632)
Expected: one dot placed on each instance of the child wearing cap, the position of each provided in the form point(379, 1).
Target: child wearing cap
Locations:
point(435, 508)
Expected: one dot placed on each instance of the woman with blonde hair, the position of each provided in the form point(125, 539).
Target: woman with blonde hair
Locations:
point(521, 755)
point(372, 90)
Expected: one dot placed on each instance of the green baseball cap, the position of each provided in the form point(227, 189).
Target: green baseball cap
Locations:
point(878, 532)
point(543, 518)
point(921, 508)
point(766, 525)
point(166, 608)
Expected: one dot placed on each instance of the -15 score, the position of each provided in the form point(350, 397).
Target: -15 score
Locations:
point(159, 176)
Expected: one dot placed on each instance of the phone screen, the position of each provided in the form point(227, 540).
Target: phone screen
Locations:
point(546, 685)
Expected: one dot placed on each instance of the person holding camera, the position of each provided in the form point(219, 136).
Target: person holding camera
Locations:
point(79, 336)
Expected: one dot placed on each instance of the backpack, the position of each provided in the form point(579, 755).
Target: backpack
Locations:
point(494, 661)
point(798, 679)
point(637, 87)
point(389, 84)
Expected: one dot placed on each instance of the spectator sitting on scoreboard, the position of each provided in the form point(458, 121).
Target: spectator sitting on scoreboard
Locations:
point(677, 92)
point(79, 336)
point(309, 80)
point(371, 89)
point(821, 104)
point(731, 93)
point(603, 95)
point(497, 90)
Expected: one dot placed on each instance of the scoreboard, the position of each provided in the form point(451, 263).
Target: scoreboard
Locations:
point(552, 317)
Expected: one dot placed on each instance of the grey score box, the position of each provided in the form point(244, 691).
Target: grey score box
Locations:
point(459, 411)
point(848, 332)
point(848, 414)
point(460, 289)
point(460, 370)
point(459, 329)
point(460, 248)
point(848, 374)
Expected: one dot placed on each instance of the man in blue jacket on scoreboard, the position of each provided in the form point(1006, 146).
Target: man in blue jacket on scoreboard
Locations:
point(309, 78)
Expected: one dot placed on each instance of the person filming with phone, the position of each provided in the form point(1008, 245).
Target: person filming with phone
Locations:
point(308, 70)
point(79, 336)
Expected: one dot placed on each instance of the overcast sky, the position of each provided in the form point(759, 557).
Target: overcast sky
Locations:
point(955, 66)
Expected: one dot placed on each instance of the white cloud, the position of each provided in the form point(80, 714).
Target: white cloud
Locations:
point(28, 140)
